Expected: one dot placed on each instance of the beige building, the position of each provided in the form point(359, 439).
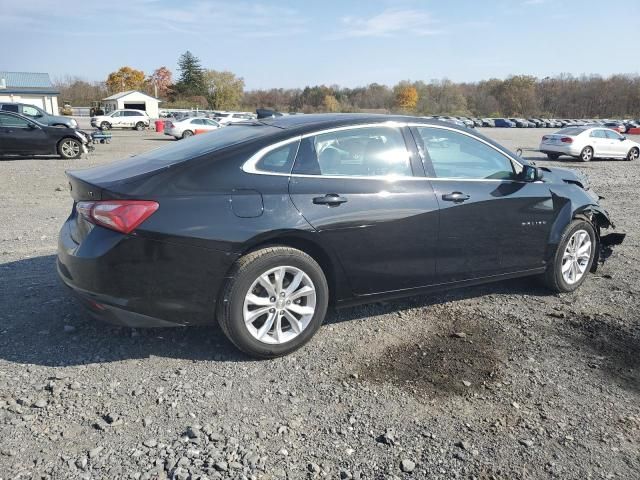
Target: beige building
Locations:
point(132, 99)
point(32, 88)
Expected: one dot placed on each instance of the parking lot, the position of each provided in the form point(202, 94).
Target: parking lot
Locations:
point(499, 381)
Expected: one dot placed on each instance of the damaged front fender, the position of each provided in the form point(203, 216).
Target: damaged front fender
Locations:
point(600, 219)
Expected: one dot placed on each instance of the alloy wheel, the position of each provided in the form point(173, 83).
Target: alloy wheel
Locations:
point(587, 154)
point(634, 154)
point(279, 305)
point(70, 148)
point(576, 257)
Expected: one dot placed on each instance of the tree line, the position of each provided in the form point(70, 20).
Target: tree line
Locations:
point(564, 96)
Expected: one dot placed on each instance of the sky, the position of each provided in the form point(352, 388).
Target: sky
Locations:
point(289, 43)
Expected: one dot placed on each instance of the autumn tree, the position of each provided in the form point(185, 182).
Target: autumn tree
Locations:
point(79, 92)
point(224, 89)
point(331, 104)
point(126, 78)
point(406, 97)
point(191, 82)
point(161, 82)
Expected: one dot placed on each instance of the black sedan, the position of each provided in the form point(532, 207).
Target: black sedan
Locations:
point(20, 135)
point(264, 224)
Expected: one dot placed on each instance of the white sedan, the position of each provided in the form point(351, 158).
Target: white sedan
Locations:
point(587, 143)
point(189, 126)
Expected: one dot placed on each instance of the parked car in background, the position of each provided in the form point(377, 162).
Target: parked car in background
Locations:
point(454, 121)
point(224, 118)
point(38, 114)
point(488, 122)
point(187, 127)
point(617, 126)
point(589, 143)
point(631, 124)
point(536, 122)
point(261, 225)
point(21, 135)
point(127, 118)
point(504, 123)
point(520, 122)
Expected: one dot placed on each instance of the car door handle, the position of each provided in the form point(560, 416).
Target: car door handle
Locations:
point(457, 197)
point(331, 199)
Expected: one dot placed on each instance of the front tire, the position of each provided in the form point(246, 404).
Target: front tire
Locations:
point(105, 126)
point(586, 155)
point(573, 258)
point(275, 301)
point(69, 148)
point(633, 154)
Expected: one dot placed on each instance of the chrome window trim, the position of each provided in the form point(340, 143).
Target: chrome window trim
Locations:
point(249, 166)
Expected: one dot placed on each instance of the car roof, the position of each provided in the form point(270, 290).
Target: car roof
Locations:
point(321, 121)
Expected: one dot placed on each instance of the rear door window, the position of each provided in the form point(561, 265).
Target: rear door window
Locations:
point(598, 134)
point(378, 151)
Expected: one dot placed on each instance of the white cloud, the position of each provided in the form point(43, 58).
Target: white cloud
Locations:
point(391, 22)
point(201, 18)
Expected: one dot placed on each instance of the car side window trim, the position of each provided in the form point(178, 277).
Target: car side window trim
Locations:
point(249, 166)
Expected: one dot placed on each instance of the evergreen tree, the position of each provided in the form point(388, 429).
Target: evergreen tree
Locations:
point(191, 80)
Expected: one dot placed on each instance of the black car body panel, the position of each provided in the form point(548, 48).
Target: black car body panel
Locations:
point(28, 137)
point(393, 237)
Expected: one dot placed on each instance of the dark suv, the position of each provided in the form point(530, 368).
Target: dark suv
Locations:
point(39, 115)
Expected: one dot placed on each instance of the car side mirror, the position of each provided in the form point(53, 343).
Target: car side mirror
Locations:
point(531, 173)
point(31, 126)
point(623, 138)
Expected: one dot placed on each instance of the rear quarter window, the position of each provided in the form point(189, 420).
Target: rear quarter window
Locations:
point(176, 153)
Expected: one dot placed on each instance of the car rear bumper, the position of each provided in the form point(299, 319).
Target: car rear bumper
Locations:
point(560, 149)
point(136, 281)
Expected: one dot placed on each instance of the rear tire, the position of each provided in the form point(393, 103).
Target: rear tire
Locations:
point(272, 333)
point(139, 126)
point(569, 255)
point(69, 148)
point(553, 156)
point(187, 134)
point(633, 154)
point(586, 155)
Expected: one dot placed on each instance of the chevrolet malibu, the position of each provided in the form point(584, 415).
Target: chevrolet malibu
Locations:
point(587, 143)
point(264, 224)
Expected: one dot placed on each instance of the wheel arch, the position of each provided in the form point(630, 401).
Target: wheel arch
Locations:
point(305, 242)
point(70, 137)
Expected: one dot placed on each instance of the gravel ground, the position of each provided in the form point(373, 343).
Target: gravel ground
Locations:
point(502, 381)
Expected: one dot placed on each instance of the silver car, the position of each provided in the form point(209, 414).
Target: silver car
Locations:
point(587, 143)
point(189, 126)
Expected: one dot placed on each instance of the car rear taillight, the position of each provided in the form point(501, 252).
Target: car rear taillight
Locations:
point(566, 140)
point(123, 216)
